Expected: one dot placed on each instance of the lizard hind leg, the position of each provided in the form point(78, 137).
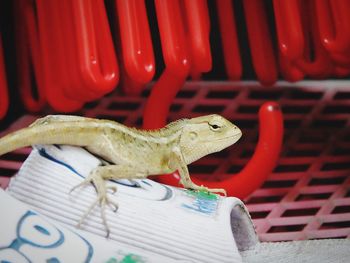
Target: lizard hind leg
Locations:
point(97, 177)
point(103, 200)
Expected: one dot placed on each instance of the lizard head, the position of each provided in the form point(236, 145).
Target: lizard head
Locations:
point(207, 134)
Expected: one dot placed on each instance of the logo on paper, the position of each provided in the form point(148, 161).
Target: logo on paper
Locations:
point(36, 240)
point(201, 202)
point(128, 258)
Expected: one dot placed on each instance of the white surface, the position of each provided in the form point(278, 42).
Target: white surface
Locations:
point(29, 237)
point(154, 223)
point(168, 222)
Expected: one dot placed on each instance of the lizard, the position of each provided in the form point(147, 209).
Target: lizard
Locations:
point(131, 153)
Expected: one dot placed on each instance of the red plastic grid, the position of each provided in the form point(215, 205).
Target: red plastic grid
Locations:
point(308, 194)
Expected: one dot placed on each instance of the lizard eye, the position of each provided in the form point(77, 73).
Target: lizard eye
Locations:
point(214, 127)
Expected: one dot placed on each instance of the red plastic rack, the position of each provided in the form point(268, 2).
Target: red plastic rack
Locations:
point(308, 194)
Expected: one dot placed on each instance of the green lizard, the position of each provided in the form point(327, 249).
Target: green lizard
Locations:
point(132, 153)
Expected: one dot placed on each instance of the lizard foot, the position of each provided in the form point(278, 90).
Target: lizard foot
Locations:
point(210, 190)
point(102, 198)
point(102, 201)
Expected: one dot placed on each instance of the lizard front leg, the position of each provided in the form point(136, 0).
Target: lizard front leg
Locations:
point(97, 177)
point(177, 162)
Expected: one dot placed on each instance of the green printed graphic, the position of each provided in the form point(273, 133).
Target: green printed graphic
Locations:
point(129, 258)
point(202, 194)
point(202, 202)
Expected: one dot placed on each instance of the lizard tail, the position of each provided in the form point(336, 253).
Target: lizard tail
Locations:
point(19, 139)
point(62, 134)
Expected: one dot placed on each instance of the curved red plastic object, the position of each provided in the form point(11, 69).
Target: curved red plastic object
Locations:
point(162, 96)
point(96, 58)
point(259, 166)
point(4, 99)
point(72, 83)
point(137, 48)
point(28, 57)
point(289, 71)
point(263, 57)
point(333, 21)
point(52, 53)
point(172, 34)
point(315, 61)
point(185, 45)
point(289, 28)
point(341, 72)
point(198, 29)
point(87, 61)
point(299, 40)
point(177, 66)
point(228, 34)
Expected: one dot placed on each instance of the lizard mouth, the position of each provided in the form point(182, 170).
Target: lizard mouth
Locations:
point(226, 141)
point(236, 136)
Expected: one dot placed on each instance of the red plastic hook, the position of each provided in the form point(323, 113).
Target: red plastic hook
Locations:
point(264, 158)
point(289, 28)
point(97, 61)
point(52, 52)
point(333, 21)
point(228, 33)
point(137, 48)
point(319, 65)
point(299, 40)
point(289, 71)
point(264, 60)
point(79, 61)
point(28, 55)
point(341, 72)
point(176, 58)
point(181, 53)
point(89, 58)
point(197, 25)
point(260, 165)
point(4, 99)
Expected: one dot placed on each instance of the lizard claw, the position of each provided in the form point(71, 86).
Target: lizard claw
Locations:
point(113, 188)
point(87, 180)
point(105, 200)
point(112, 204)
point(102, 201)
